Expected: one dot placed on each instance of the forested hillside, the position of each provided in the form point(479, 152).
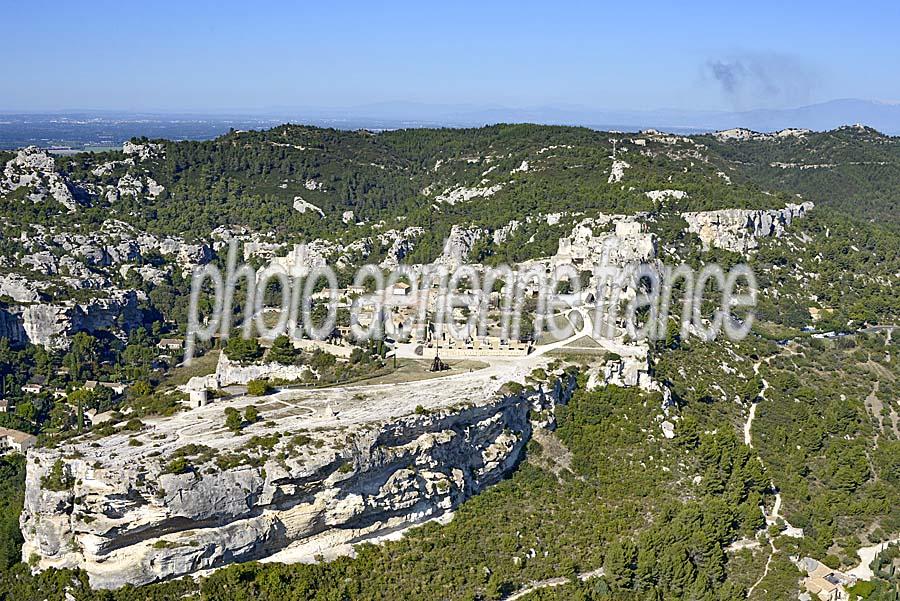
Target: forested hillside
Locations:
point(800, 422)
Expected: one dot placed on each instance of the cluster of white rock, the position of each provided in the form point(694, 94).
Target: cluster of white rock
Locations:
point(302, 206)
point(627, 243)
point(35, 170)
point(452, 196)
point(144, 151)
point(740, 134)
point(458, 245)
point(738, 230)
point(662, 195)
point(53, 324)
point(92, 260)
point(617, 171)
point(79, 257)
point(134, 182)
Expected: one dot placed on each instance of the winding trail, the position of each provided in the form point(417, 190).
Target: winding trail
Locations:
point(776, 508)
point(748, 435)
point(765, 569)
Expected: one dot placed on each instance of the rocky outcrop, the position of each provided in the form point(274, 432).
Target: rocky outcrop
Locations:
point(52, 324)
point(458, 245)
point(229, 372)
point(18, 288)
point(302, 206)
point(35, 170)
point(738, 230)
point(143, 151)
point(617, 171)
point(401, 244)
point(629, 366)
point(628, 244)
point(49, 251)
point(123, 517)
point(452, 196)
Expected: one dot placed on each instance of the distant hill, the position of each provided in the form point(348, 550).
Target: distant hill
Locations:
point(98, 129)
point(885, 117)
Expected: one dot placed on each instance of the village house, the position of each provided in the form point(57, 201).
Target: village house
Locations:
point(401, 289)
point(35, 386)
point(170, 344)
point(13, 441)
point(117, 387)
point(824, 583)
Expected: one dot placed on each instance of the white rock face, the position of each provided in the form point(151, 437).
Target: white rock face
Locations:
point(629, 243)
point(660, 195)
point(522, 168)
point(401, 244)
point(502, 235)
point(77, 259)
point(125, 520)
point(229, 372)
point(740, 134)
point(53, 325)
point(736, 133)
point(738, 230)
point(18, 288)
point(35, 169)
point(630, 367)
point(143, 152)
point(462, 194)
point(303, 206)
point(458, 245)
point(617, 171)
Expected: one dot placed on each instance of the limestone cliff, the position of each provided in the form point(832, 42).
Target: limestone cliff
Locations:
point(738, 229)
point(128, 513)
point(53, 324)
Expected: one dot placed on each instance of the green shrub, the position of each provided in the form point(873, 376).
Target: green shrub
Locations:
point(58, 479)
point(233, 419)
point(258, 387)
point(179, 465)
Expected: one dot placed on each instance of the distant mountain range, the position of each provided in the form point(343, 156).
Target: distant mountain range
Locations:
point(89, 129)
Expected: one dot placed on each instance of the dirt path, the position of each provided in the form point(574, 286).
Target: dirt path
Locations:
point(765, 570)
point(776, 508)
point(748, 435)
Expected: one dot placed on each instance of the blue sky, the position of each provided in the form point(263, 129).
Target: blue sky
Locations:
point(201, 56)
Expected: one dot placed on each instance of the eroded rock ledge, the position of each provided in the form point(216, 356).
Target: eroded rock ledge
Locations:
point(121, 517)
